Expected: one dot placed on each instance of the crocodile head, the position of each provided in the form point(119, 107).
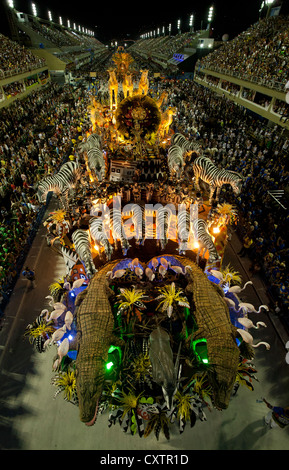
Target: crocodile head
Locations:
point(224, 358)
point(89, 389)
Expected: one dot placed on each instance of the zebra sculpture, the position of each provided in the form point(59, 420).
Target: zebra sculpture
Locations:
point(59, 183)
point(138, 220)
point(98, 234)
point(204, 239)
point(175, 160)
point(92, 141)
point(163, 219)
point(186, 145)
point(116, 227)
point(184, 229)
point(82, 247)
point(96, 162)
point(205, 170)
point(143, 230)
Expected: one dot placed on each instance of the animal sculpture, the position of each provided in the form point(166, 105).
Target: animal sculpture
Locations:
point(82, 245)
point(205, 170)
point(95, 324)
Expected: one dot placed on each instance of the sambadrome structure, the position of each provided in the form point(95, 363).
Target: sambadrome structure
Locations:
point(145, 320)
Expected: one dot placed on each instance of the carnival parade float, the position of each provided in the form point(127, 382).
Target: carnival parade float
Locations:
point(146, 322)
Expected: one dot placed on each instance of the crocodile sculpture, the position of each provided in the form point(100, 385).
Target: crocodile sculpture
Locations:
point(95, 324)
point(213, 320)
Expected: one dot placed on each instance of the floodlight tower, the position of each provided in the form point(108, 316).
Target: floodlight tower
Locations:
point(179, 26)
point(34, 9)
point(210, 16)
point(191, 23)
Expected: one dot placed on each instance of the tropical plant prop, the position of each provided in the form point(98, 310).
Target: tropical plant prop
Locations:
point(57, 288)
point(39, 331)
point(246, 374)
point(131, 302)
point(231, 275)
point(66, 384)
point(159, 421)
point(227, 213)
point(171, 296)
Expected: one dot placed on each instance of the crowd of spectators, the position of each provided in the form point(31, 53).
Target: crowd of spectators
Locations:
point(260, 153)
point(258, 54)
point(15, 58)
point(35, 138)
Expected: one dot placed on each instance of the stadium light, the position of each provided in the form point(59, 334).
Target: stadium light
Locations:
point(210, 14)
point(10, 3)
point(34, 10)
point(191, 23)
point(50, 16)
point(179, 25)
point(68, 23)
point(60, 20)
point(170, 29)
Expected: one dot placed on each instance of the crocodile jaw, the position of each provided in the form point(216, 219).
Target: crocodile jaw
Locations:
point(91, 423)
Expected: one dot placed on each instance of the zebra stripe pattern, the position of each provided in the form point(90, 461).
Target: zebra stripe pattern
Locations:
point(163, 218)
point(186, 145)
point(175, 160)
point(184, 227)
point(97, 232)
point(138, 220)
point(205, 240)
point(96, 162)
point(116, 227)
point(62, 181)
point(92, 141)
point(205, 169)
point(81, 242)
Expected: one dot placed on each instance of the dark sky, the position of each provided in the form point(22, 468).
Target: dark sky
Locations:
point(126, 19)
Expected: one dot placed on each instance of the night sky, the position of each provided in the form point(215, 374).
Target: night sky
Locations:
point(128, 19)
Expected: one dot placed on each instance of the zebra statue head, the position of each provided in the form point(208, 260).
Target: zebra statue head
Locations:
point(236, 180)
point(183, 246)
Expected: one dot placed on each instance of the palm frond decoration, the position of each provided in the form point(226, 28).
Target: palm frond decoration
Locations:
point(56, 287)
point(66, 384)
point(131, 302)
point(141, 367)
point(58, 215)
point(246, 372)
point(158, 422)
point(170, 296)
point(229, 273)
point(228, 213)
point(200, 385)
point(38, 332)
point(128, 401)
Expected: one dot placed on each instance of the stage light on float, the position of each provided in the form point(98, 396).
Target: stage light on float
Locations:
point(109, 365)
point(196, 245)
point(216, 230)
